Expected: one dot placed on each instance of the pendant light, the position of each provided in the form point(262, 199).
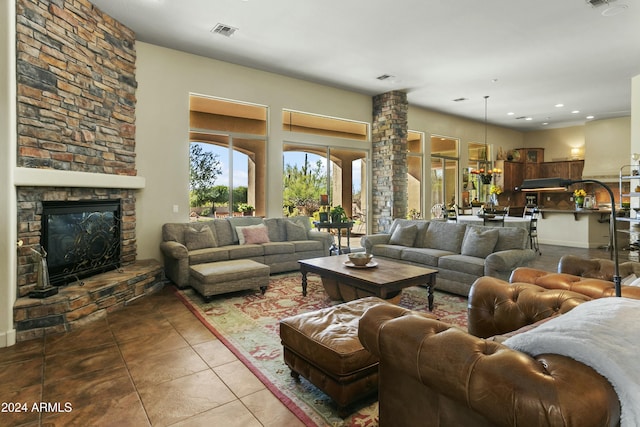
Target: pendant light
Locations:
point(485, 172)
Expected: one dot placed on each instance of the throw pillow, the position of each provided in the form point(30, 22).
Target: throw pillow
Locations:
point(478, 243)
point(275, 229)
point(240, 232)
point(404, 236)
point(255, 235)
point(627, 281)
point(445, 236)
point(242, 221)
point(199, 239)
point(295, 232)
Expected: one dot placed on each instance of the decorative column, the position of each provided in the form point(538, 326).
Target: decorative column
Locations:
point(389, 159)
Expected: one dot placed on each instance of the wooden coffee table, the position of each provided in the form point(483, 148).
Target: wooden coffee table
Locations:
point(384, 280)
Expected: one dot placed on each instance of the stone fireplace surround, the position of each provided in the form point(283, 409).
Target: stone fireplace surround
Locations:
point(92, 297)
point(30, 216)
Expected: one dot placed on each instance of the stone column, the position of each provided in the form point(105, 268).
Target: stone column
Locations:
point(389, 159)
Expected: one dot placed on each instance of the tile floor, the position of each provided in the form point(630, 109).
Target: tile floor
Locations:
point(150, 364)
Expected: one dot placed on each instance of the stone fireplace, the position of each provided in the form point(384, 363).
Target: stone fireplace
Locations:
point(32, 202)
point(87, 295)
point(76, 102)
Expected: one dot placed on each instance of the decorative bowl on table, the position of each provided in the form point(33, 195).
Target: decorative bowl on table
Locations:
point(360, 259)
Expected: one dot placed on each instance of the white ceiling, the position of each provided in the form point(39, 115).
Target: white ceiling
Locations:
point(526, 55)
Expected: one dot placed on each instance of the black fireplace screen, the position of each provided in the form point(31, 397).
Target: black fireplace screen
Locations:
point(81, 238)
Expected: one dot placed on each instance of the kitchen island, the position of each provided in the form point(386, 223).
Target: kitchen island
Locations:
point(585, 228)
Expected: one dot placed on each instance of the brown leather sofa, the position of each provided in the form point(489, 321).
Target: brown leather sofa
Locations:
point(434, 374)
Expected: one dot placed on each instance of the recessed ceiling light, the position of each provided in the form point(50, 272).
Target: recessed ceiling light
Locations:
point(545, 123)
point(590, 117)
point(559, 105)
point(510, 113)
point(529, 118)
point(575, 111)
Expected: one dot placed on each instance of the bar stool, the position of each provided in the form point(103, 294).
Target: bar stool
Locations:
point(533, 230)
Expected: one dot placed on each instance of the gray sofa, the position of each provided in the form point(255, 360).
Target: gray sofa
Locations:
point(287, 241)
point(461, 253)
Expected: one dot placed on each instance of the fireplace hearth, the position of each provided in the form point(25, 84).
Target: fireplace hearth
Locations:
point(81, 238)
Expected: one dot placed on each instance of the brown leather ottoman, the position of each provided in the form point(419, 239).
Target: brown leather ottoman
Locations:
point(323, 347)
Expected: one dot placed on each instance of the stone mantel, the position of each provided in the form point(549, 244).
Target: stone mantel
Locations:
point(36, 177)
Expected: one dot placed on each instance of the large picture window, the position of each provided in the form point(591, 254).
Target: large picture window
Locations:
point(234, 133)
point(320, 159)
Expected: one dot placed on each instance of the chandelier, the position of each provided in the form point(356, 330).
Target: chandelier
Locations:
point(485, 172)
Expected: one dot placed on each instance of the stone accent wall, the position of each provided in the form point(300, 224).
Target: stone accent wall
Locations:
point(76, 84)
point(389, 137)
point(30, 217)
point(76, 88)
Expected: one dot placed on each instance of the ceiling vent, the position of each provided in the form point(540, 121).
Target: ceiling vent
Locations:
point(384, 77)
point(460, 99)
point(224, 30)
point(596, 3)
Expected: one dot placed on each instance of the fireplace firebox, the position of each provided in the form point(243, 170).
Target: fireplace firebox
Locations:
point(81, 238)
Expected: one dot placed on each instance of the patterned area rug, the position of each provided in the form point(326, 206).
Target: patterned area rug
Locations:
point(248, 324)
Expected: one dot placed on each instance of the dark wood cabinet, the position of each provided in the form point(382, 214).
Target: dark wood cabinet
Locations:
point(513, 174)
point(575, 169)
point(563, 169)
point(531, 170)
point(554, 170)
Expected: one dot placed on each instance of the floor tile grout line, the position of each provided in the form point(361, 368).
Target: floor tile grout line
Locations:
point(126, 365)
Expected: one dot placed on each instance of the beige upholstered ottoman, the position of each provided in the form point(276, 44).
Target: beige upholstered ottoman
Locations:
point(324, 348)
point(228, 276)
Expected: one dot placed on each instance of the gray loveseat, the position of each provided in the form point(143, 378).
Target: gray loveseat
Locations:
point(461, 253)
point(287, 240)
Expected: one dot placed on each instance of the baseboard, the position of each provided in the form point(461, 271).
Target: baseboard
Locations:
point(8, 338)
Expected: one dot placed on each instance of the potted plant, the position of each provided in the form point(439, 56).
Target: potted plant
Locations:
point(247, 210)
point(338, 214)
point(494, 191)
point(579, 196)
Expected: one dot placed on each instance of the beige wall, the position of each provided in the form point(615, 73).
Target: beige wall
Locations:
point(605, 145)
point(635, 118)
point(557, 143)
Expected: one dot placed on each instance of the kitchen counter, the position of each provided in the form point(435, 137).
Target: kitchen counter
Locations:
point(584, 228)
point(577, 212)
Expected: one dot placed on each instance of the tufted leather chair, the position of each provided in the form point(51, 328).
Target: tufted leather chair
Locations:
point(496, 307)
point(434, 374)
